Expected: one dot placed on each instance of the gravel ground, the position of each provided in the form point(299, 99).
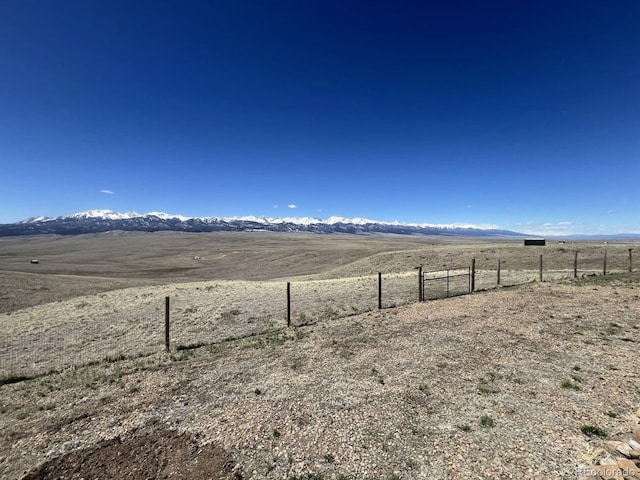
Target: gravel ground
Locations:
point(492, 385)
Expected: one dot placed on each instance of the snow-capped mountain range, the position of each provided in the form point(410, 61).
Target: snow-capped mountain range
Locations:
point(96, 221)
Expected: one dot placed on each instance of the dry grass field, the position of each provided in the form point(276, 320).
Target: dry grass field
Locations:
point(493, 385)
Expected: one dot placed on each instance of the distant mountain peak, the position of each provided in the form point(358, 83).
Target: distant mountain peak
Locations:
point(95, 221)
point(103, 215)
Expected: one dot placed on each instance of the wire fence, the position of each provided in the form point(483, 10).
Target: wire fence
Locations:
point(447, 283)
point(48, 347)
point(49, 338)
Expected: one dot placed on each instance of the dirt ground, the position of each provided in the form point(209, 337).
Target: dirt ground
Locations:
point(158, 454)
point(493, 385)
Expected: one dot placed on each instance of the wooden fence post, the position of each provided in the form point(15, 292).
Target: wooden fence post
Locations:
point(166, 324)
point(541, 267)
point(420, 285)
point(630, 262)
point(575, 265)
point(473, 275)
point(379, 290)
point(288, 304)
point(498, 279)
point(604, 266)
point(447, 283)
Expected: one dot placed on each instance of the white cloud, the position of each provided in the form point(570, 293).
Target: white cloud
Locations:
point(275, 206)
point(106, 192)
point(569, 228)
point(557, 228)
point(291, 206)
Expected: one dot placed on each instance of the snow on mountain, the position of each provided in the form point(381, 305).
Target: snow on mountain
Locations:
point(103, 215)
point(35, 219)
point(275, 221)
point(167, 216)
point(95, 221)
point(354, 221)
point(396, 223)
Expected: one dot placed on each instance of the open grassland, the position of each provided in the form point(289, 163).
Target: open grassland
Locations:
point(86, 264)
point(468, 387)
point(73, 266)
point(79, 317)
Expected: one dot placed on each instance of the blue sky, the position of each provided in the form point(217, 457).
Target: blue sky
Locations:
point(518, 114)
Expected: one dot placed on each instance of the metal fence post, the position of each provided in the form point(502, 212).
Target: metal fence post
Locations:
point(447, 283)
point(288, 304)
point(604, 266)
point(541, 267)
point(166, 324)
point(472, 279)
point(498, 279)
point(379, 290)
point(420, 285)
point(630, 262)
point(575, 265)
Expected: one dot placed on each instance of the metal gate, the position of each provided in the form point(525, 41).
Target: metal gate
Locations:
point(446, 283)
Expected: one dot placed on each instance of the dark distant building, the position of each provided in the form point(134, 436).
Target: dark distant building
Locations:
point(540, 242)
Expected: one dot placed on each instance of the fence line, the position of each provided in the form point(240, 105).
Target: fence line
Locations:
point(214, 312)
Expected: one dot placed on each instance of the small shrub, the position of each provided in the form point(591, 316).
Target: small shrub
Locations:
point(465, 427)
point(308, 476)
point(568, 384)
point(216, 348)
point(182, 355)
point(483, 389)
point(412, 464)
point(593, 431)
point(276, 433)
point(612, 329)
point(424, 388)
point(331, 312)
point(329, 458)
point(486, 421)
point(377, 374)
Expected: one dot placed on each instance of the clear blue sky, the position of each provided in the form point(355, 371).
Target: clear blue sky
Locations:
point(519, 114)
